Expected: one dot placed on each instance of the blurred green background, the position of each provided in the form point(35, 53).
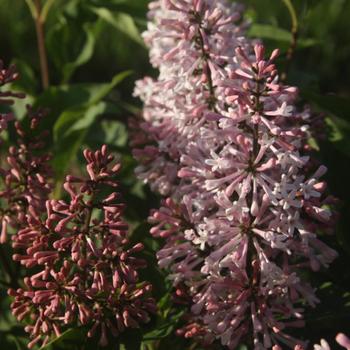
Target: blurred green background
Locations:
point(95, 54)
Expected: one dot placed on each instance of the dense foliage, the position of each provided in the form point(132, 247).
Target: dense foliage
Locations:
point(81, 95)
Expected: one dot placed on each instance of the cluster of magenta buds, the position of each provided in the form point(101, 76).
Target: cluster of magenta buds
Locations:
point(85, 272)
point(25, 173)
point(25, 176)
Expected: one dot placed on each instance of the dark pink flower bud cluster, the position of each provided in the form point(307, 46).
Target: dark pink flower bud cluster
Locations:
point(25, 172)
point(247, 202)
point(85, 273)
point(7, 76)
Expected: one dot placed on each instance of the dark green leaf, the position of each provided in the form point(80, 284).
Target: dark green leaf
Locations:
point(72, 125)
point(77, 119)
point(336, 105)
point(85, 54)
point(164, 330)
point(267, 31)
point(69, 337)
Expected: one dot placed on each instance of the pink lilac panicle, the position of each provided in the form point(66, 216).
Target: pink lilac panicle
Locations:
point(247, 204)
point(25, 178)
point(26, 171)
point(191, 43)
point(86, 273)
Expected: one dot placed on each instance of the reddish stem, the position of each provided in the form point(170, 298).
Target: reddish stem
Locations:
point(39, 26)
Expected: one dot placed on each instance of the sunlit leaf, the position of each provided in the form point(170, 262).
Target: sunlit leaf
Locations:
point(73, 124)
point(267, 31)
point(121, 21)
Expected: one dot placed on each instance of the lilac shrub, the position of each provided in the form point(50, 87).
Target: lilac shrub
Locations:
point(226, 142)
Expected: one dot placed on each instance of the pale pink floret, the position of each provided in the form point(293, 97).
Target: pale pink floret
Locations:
point(343, 340)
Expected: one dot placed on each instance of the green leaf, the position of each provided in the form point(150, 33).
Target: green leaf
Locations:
point(13, 338)
point(73, 116)
point(104, 89)
point(336, 105)
point(242, 347)
point(19, 343)
point(73, 124)
point(268, 31)
point(70, 336)
point(121, 21)
point(135, 8)
point(130, 340)
point(163, 331)
point(71, 40)
point(338, 120)
point(115, 133)
point(77, 119)
point(339, 136)
point(28, 81)
point(63, 97)
point(84, 55)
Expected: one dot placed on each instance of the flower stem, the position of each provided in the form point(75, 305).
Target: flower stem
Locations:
point(212, 98)
point(251, 252)
point(39, 27)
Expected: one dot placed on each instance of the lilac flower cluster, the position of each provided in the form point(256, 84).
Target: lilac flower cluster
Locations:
point(191, 43)
point(25, 178)
point(227, 144)
point(7, 76)
point(85, 273)
point(26, 172)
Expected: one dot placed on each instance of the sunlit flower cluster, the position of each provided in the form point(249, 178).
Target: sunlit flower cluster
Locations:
point(226, 142)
